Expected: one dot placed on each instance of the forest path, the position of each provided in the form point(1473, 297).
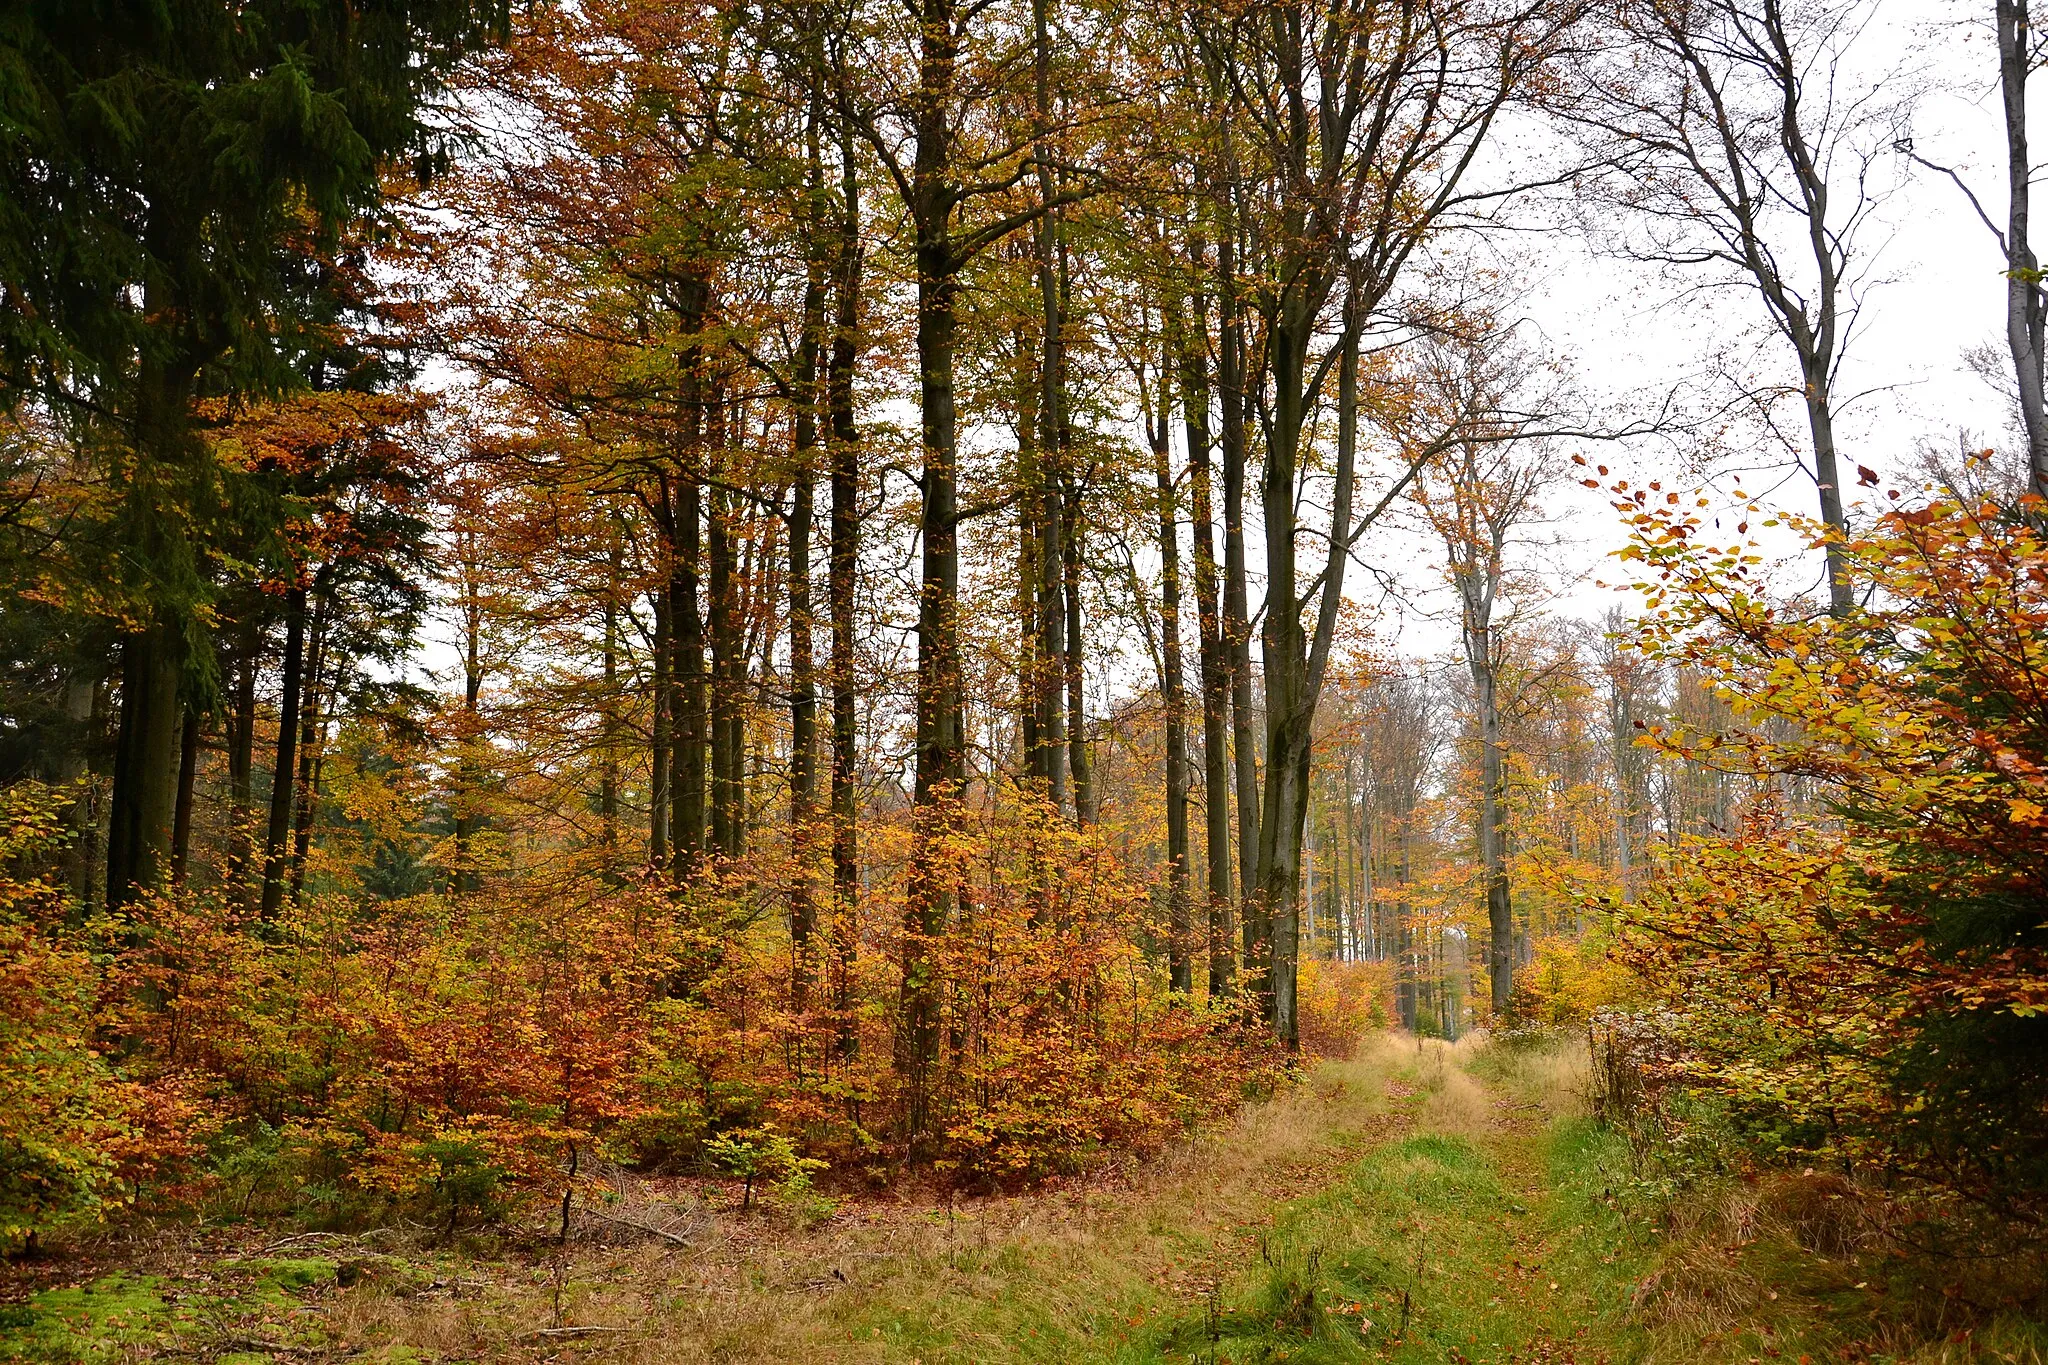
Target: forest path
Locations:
point(1421, 1203)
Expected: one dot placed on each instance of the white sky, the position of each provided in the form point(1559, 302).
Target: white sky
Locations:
point(1628, 336)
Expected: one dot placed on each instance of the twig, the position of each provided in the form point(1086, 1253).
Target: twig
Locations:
point(569, 1332)
point(671, 1237)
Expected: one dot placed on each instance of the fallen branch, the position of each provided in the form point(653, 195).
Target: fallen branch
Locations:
point(569, 1332)
point(675, 1238)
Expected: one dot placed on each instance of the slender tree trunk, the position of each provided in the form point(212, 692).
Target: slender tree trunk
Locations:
point(691, 724)
point(803, 700)
point(1253, 920)
point(1079, 761)
point(1053, 667)
point(1500, 915)
point(1214, 665)
point(1179, 928)
point(275, 869)
point(661, 726)
point(1821, 423)
point(932, 891)
point(188, 776)
point(2026, 304)
point(1031, 746)
point(470, 769)
point(726, 738)
point(612, 727)
point(241, 768)
point(841, 570)
point(312, 733)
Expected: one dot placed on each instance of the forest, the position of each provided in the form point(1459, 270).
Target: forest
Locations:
point(655, 654)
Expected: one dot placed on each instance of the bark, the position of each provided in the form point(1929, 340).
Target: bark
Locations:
point(1214, 666)
point(1079, 761)
point(142, 805)
point(2026, 305)
point(1254, 923)
point(286, 765)
point(608, 763)
point(470, 775)
point(1493, 862)
point(660, 781)
point(933, 890)
point(803, 701)
point(188, 776)
point(312, 734)
point(241, 767)
point(841, 570)
point(727, 736)
point(1058, 750)
point(691, 722)
point(1179, 928)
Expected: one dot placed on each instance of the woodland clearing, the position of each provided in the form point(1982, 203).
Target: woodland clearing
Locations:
point(1423, 1202)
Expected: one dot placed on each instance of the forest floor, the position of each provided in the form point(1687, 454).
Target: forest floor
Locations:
point(1423, 1203)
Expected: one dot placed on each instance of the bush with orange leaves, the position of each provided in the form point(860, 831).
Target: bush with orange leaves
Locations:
point(1338, 1003)
point(1869, 982)
point(81, 1125)
point(452, 1055)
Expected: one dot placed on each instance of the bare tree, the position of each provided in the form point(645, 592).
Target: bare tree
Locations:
point(1481, 494)
point(1737, 141)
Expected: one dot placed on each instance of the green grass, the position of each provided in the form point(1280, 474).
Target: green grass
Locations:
point(1427, 1251)
point(238, 1305)
point(1432, 1248)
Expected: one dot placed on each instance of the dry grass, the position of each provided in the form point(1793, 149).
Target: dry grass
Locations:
point(869, 1283)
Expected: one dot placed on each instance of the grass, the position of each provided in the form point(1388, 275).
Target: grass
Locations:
point(1425, 1203)
point(238, 1310)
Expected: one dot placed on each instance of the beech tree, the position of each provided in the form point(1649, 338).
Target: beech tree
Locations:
point(1737, 140)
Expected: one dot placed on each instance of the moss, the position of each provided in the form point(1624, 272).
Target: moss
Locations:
point(119, 1316)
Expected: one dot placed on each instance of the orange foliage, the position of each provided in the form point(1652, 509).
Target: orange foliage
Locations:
point(1338, 1003)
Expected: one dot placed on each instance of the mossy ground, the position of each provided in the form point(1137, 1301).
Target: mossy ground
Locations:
point(1420, 1204)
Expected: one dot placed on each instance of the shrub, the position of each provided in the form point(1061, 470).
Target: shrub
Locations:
point(1338, 1003)
point(1870, 984)
point(77, 1129)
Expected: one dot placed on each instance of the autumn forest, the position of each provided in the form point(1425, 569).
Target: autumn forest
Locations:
point(677, 630)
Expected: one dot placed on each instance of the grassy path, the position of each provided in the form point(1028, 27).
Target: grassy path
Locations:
point(1417, 1205)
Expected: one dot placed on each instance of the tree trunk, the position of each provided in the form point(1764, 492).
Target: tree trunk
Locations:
point(2026, 305)
point(1253, 921)
point(610, 721)
point(312, 735)
point(933, 889)
point(690, 724)
point(1500, 915)
point(1821, 422)
point(1179, 928)
point(727, 741)
point(142, 806)
point(1215, 667)
point(1079, 761)
point(241, 768)
point(803, 699)
point(283, 770)
point(661, 726)
point(188, 776)
point(841, 570)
